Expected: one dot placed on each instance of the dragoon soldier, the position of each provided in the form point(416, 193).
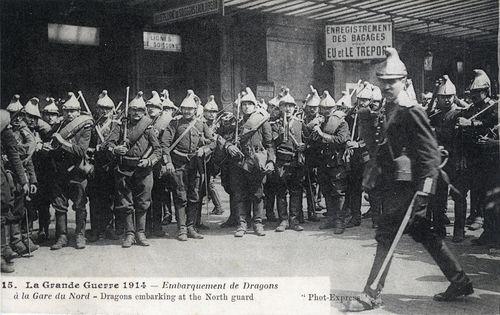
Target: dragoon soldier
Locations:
point(101, 190)
point(253, 157)
point(10, 174)
point(68, 149)
point(137, 149)
point(159, 194)
point(184, 142)
point(407, 157)
point(332, 135)
point(289, 170)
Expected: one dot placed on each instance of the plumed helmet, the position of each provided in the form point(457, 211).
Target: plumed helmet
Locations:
point(410, 90)
point(105, 101)
point(166, 102)
point(327, 100)
point(345, 100)
point(137, 102)
point(287, 98)
point(51, 107)
point(376, 93)
point(481, 81)
point(190, 100)
point(275, 101)
point(392, 67)
point(31, 108)
point(211, 105)
point(365, 92)
point(248, 96)
point(313, 98)
point(14, 105)
point(447, 87)
point(71, 102)
point(262, 104)
point(155, 100)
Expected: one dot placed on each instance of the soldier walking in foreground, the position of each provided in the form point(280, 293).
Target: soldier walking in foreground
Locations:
point(408, 160)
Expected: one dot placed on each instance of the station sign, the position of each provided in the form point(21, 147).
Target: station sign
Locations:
point(162, 42)
point(358, 41)
point(188, 11)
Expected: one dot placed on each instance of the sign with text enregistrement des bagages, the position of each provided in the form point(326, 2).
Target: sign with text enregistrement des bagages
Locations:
point(188, 11)
point(357, 41)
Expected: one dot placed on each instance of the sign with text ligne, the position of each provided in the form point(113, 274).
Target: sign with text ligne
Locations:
point(357, 41)
point(162, 42)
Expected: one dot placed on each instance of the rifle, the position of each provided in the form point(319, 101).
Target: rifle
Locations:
point(125, 117)
point(97, 129)
point(238, 106)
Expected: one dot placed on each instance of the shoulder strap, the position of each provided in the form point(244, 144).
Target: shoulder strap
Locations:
point(74, 126)
point(135, 134)
point(184, 133)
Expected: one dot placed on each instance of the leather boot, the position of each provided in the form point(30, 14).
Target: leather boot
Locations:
point(182, 235)
point(61, 231)
point(192, 233)
point(140, 236)
point(28, 242)
point(6, 267)
point(16, 239)
point(311, 216)
point(6, 251)
point(242, 229)
point(258, 228)
point(454, 291)
point(294, 224)
point(81, 220)
point(282, 227)
point(129, 239)
point(363, 302)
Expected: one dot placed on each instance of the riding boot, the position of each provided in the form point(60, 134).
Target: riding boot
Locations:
point(129, 230)
point(81, 220)
point(140, 235)
point(459, 224)
point(61, 231)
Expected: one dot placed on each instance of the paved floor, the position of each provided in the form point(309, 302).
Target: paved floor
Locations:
point(346, 259)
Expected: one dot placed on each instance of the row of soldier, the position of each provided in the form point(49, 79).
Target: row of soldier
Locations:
point(129, 169)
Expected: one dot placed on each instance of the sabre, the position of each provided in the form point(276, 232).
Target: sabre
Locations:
point(206, 179)
point(237, 119)
point(99, 133)
point(395, 242)
point(126, 116)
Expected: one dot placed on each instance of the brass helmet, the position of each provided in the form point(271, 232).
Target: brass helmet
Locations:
point(275, 101)
point(392, 67)
point(365, 92)
point(155, 100)
point(211, 105)
point(327, 100)
point(447, 87)
point(410, 90)
point(287, 98)
point(313, 98)
point(71, 102)
point(51, 107)
point(248, 96)
point(31, 108)
point(481, 81)
point(105, 101)
point(345, 100)
point(262, 104)
point(15, 106)
point(166, 102)
point(376, 93)
point(137, 102)
point(190, 100)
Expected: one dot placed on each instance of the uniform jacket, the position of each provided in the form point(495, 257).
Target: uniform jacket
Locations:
point(406, 126)
point(332, 147)
point(146, 140)
point(27, 146)
point(287, 150)
point(198, 136)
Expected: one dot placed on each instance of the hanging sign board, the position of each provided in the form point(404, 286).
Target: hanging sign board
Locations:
point(189, 11)
point(357, 41)
point(162, 41)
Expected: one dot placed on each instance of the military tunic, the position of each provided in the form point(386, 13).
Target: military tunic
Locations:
point(187, 178)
